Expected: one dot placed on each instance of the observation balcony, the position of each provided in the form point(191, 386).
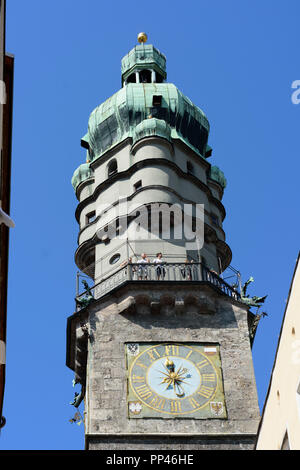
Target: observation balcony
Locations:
point(150, 273)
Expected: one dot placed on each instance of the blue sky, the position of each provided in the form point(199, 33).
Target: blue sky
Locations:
point(234, 59)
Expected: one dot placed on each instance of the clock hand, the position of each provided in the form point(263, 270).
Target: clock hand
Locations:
point(180, 390)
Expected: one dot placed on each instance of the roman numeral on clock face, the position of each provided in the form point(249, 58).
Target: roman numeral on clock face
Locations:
point(140, 364)
point(202, 363)
point(208, 377)
point(158, 403)
point(175, 406)
point(205, 391)
point(143, 391)
point(153, 354)
point(138, 379)
point(171, 350)
point(194, 403)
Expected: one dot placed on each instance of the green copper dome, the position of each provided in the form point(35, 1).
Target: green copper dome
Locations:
point(152, 127)
point(144, 56)
point(217, 175)
point(82, 173)
point(117, 118)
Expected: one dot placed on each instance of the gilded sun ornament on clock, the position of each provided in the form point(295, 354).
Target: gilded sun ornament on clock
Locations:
point(182, 380)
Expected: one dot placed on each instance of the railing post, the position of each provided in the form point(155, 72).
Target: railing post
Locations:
point(129, 272)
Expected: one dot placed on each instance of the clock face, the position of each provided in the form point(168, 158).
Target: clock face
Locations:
point(169, 380)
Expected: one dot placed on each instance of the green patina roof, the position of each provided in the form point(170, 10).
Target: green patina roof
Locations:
point(82, 173)
point(218, 175)
point(132, 112)
point(143, 56)
point(152, 127)
point(116, 119)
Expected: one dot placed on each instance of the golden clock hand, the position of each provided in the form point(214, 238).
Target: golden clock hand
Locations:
point(180, 390)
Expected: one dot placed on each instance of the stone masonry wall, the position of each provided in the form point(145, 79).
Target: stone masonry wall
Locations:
point(168, 313)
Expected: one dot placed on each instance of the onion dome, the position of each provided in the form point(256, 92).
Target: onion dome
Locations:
point(82, 173)
point(217, 175)
point(143, 57)
point(116, 119)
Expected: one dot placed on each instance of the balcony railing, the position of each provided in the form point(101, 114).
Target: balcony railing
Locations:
point(151, 272)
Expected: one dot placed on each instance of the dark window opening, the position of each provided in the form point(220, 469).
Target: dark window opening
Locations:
point(137, 185)
point(159, 78)
point(145, 76)
point(215, 220)
point(90, 217)
point(115, 258)
point(131, 78)
point(190, 168)
point(156, 100)
point(112, 168)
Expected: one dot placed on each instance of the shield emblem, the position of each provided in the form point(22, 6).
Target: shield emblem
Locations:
point(135, 407)
point(216, 408)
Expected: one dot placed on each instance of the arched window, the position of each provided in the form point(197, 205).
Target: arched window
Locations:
point(112, 168)
point(145, 76)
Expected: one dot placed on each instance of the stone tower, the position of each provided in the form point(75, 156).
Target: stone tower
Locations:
point(160, 344)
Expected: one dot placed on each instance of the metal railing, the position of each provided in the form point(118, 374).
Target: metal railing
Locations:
point(156, 272)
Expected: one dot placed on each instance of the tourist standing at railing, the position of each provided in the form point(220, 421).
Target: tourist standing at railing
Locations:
point(160, 271)
point(142, 270)
point(212, 276)
point(186, 272)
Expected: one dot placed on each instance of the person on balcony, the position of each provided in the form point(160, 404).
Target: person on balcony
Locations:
point(160, 271)
point(142, 270)
point(186, 272)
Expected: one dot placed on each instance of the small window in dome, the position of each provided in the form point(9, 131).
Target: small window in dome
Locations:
point(156, 100)
point(112, 168)
point(115, 258)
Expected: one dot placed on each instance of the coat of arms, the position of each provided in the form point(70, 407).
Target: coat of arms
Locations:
point(135, 407)
point(133, 349)
point(216, 408)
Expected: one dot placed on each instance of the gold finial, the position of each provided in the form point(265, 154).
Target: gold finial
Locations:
point(142, 37)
